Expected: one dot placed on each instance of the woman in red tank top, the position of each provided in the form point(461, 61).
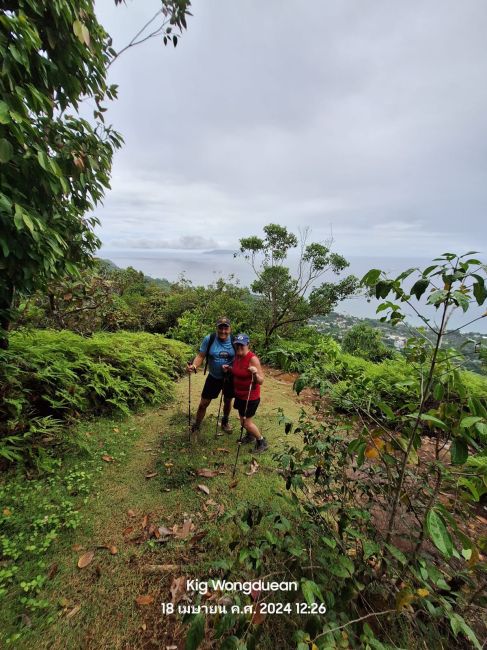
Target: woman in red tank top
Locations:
point(248, 377)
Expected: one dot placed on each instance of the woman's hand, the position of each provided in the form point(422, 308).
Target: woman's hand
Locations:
point(253, 370)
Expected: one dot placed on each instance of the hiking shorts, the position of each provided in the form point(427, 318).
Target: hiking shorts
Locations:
point(213, 386)
point(240, 404)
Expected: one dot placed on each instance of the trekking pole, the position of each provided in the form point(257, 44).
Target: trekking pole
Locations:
point(189, 403)
point(239, 444)
point(218, 416)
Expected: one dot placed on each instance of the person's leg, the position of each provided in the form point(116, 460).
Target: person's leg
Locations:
point(200, 413)
point(227, 407)
point(251, 428)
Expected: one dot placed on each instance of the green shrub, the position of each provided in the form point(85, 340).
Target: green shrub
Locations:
point(48, 379)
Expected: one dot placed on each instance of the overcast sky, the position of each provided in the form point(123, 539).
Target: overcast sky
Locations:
point(365, 119)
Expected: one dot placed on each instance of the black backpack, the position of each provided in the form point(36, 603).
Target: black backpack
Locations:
point(208, 348)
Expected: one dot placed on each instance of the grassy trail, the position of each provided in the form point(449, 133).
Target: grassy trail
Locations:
point(98, 606)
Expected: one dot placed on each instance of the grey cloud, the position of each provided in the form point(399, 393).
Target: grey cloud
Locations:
point(333, 114)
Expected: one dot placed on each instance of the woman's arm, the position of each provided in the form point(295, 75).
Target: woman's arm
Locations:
point(256, 370)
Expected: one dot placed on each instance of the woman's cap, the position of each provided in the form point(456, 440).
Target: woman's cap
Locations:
point(243, 339)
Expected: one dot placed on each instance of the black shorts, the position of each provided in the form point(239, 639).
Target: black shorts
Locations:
point(213, 386)
point(240, 404)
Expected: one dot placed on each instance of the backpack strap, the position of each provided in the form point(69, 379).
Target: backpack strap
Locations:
point(210, 343)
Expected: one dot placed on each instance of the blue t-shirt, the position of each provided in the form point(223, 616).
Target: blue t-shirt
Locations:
point(221, 353)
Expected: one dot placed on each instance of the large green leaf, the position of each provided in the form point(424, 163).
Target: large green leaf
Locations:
point(6, 150)
point(459, 451)
point(438, 533)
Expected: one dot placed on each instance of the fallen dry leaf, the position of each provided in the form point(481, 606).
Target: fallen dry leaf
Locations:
point(164, 531)
point(207, 473)
point(107, 459)
point(146, 599)
point(253, 467)
point(145, 521)
point(185, 530)
point(131, 513)
point(53, 569)
point(151, 475)
point(74, 611)
point(223, 450)
point(85, 559)
point(77, 547)
point(127, 531)
point(113, 550)
point(233, 484)
point(169, 464)
point(204, 489)
point(178, 589)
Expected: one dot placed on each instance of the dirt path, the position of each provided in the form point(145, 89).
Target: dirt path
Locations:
point(151, 488)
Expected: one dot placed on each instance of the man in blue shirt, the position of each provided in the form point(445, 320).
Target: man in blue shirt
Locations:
point(220, 352)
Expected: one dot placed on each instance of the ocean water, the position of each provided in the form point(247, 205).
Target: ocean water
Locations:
point(205, 267)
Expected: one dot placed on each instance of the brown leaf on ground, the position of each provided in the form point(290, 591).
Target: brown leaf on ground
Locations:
point(169, 464)
point(178, 589)
point(131, 513)
point(220, 511)
point(145, 521)
point(223, 450)
point(107, 459)
point(198, 537)
point(116, 430)
point(207, 473)
point(127, 531)
point(145, 599)
point(151, 475)
point(73, 612)
point(163, 531)
point(53, 569)
point(85, 559)
point(204, 489)
point(113, 550)
point(185, 530)
point(233, 484)
point(77, 547)
point(253, 467)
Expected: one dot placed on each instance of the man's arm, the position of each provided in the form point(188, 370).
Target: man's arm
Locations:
point(197, 361)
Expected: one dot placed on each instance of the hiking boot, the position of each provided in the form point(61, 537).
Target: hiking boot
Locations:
point(226, 426)
point(246, 440)
point(260, 446)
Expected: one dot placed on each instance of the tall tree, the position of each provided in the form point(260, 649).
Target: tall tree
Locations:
point(54, 164)
point(288, 299)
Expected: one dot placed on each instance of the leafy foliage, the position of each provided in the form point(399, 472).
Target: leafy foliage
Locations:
point(54, 164)
point(48, 379)
point(366, 342)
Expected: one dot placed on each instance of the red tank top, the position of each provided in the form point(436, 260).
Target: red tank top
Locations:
point(242, 378)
